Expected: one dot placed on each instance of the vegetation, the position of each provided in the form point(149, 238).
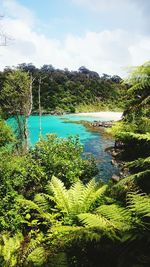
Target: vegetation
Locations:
point(52, 210)
point(16, 102)
point(70, 91)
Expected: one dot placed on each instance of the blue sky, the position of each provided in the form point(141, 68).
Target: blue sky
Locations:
point(105, 36)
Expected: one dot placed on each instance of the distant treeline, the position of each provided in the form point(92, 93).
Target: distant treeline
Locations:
point(71, 91)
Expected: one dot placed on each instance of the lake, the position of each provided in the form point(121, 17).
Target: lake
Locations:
point(94, 143)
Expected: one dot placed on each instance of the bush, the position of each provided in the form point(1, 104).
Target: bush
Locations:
point(62, 158)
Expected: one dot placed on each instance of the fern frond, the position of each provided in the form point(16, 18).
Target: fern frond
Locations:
point(40, 212)
point(98, 194)
point(133, 178)
point(118, 216)
point(74, 194)
point(139, 164)
point(70, 233)
point(9, 246)
point(139, 204)
point(57, 188)
point(91, 194)
point(95, 221)
point(30, 248)
point(37, 257)
point(41, 201)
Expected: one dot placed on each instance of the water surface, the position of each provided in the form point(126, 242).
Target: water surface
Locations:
point(94, 143)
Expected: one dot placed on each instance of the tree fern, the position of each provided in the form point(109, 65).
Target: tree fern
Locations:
point(78, 199)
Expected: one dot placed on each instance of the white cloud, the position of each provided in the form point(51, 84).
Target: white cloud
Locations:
point(15, 10)
point(105, 51)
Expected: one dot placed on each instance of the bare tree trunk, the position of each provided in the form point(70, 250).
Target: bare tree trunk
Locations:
point(21, 134)
point(40, 110)
point(26, 135)
point(30, 96)
point(28, 113)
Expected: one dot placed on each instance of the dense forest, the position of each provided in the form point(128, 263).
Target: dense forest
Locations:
point(52, 211)
point(71, 91)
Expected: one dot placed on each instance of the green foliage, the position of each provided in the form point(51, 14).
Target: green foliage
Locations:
point(139, 164)
point(6, 134)
point(18, 175)
point(70, 91)
point(15, 93)
point(37, 257)
point(139, 204)
point(121, 127)
point(78, 199)
point(138, 99)
point(27, 175)
point(15, 99)
point(62, 158)
point(118, 216)
point(9, 246)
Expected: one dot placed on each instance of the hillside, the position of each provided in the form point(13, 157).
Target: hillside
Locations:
point(73, 91)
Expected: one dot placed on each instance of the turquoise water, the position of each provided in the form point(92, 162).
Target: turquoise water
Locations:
point(94, 142)
point(56, 124)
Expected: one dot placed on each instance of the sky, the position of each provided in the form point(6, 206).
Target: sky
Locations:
point(106, 36)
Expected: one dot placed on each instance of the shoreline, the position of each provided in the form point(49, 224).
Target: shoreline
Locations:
point(107, 115)
point(102, 114)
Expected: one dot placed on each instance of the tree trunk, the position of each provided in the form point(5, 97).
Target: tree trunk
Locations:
point(40, 110)
point(28, 113)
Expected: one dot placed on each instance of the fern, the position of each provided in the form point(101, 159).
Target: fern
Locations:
point(139, 204)
point(9, 246)
point(139, 164)
point(118, 216)
point(133, 178)
point(72, 233)
point(78, 199)
point(60, 194)
point(75, 198)
point(37, 256)
point(50, 218)
point(82, 197)
point(95, 221)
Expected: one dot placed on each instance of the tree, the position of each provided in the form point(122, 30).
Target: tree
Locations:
point(6, 134)
point(16, 99)
point(138, 95)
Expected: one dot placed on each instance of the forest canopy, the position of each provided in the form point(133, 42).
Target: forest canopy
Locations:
point(71, 91)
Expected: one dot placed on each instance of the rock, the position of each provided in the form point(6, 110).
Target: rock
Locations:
point(126, 171)
point(114, 153)
point(119, 144)
point(105, 124)
point(114, 162)
point(115, 178)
